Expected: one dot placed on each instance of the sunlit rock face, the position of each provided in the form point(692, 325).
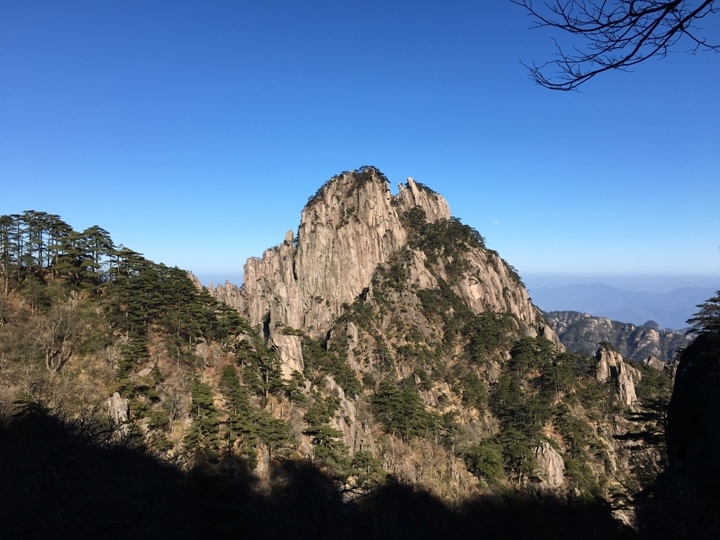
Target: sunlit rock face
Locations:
point(348, 228)
point(552, 466)
point(612, 366)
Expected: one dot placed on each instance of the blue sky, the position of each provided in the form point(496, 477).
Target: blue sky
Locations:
point(194, 132)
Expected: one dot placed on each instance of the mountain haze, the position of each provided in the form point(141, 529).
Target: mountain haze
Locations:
point(668, 310)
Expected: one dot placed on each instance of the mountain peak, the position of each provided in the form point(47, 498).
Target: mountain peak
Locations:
point(349, 229)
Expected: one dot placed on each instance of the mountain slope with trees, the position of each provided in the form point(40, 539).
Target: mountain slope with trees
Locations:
point(433, 379)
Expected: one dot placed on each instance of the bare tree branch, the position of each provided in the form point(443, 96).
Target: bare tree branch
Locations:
point(616, 34)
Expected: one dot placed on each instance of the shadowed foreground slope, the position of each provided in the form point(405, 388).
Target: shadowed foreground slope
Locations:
point(76, 479)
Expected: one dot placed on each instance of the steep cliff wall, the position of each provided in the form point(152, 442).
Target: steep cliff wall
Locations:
point(349, 227)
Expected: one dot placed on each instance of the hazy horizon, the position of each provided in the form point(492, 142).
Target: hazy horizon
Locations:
point(631, 283)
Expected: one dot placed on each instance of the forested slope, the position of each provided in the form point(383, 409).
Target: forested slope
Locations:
point(435, 384)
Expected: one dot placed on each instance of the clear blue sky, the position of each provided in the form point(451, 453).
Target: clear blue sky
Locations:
point(194, 132)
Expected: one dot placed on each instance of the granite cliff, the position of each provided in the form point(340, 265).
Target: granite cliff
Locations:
point(350, 227)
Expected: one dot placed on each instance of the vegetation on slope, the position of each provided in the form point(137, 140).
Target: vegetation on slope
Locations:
point(410, 385)
point(435, 370)
point(81, 318)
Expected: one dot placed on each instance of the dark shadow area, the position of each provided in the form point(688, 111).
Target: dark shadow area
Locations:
point(685, 500)
point(78, 479)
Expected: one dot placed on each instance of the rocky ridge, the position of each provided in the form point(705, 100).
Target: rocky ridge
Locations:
point(434, 371)
point(584, 333)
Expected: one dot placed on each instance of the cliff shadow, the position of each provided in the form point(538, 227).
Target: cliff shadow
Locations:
point(79, 479)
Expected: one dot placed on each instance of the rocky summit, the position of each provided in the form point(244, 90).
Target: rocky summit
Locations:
point(352, 226)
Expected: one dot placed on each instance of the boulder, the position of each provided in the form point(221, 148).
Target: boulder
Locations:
point(551, 465)
point(612, 366)
point(118, 408)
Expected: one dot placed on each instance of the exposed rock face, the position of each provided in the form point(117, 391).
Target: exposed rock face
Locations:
point(230, 294)
point(145, 372)
point(583, 333)
point(551, 465)
point(612, 366)
point(412, 195)
point(118, 407)
point(488, 286)
point(548, 333)
point(352, 225)
point(346, 230)
point(346, 418)
point(655, 363)
point(349, 229)
point(289, 352)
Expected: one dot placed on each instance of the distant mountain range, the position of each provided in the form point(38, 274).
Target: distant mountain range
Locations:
point(668, 310)
point(580, 332)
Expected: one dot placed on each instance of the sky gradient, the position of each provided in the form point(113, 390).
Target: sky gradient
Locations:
point(194, 132)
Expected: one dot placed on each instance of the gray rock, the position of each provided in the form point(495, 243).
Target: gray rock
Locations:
point(584, 333)
point(551, 465)
point(655, 363)
point(289, 351)
point(145, 372)
point(612, 366)
point(351, 226)
point(119, 409)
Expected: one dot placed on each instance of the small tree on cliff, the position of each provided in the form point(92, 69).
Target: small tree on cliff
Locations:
point(707, 319)
point(615, 34)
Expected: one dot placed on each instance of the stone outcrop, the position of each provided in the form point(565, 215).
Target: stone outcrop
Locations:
point(413, 194)
point(351, 225)
point(230, 294)
point(489, 286)
point(655, 363)
point(289, 351)
point(118, 408)
point(345, 419)
point(552, 466)
point(612, 366)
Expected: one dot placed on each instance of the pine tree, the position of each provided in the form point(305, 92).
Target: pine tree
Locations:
point(242, 418)
point(204, 428)
point(707, 319)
